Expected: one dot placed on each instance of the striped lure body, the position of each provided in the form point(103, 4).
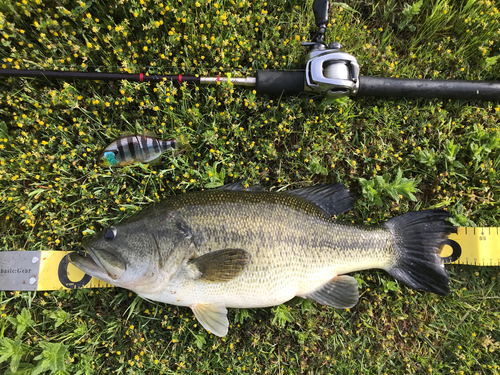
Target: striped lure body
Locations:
point(136, 148)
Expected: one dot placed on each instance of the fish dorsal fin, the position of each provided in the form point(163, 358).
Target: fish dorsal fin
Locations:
point(335, 199)
point(221, 265)
point(340, 292)
point(255, 188)
point(212, 316)
point(234, 186)
point(238, 186)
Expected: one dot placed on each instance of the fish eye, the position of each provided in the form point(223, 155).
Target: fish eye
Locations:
point(110, 233)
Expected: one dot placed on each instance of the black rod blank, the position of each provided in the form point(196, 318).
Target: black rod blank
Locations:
point(98, 76)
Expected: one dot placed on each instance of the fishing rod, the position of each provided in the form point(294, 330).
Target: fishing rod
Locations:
point(328, 70)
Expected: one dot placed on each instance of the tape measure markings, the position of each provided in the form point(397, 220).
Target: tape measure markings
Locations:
point(479, 246)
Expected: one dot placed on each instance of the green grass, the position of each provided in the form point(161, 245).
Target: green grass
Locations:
point(52, 193)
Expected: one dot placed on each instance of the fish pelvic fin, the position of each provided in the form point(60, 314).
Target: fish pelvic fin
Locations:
point(212, 316)
point(221, 265)
point(418, 240)
point(341, 292)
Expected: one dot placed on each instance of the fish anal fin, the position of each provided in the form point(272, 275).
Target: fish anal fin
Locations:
point(221, 265)
point(212, 316)
point(341, 292)
point(335, 199)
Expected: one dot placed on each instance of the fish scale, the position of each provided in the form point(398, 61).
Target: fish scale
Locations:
point(225, 248)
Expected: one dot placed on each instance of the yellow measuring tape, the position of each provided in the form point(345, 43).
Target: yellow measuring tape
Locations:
point(57, 272)
point(51, 270)
point(473, 246)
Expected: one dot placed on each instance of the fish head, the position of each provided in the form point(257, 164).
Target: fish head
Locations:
point(107, 159)
point(130, 255)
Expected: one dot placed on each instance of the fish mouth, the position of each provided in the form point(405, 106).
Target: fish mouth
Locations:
point(99, 263)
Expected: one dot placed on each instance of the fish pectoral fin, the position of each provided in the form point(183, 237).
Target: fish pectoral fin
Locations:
point(212, 316)
point(341, 292)
point(221, 265)
point(335, 199)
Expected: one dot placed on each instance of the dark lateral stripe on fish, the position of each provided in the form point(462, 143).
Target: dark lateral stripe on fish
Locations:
point(120, 148)
point(155, 145)
point(143, 143)
point(131, 147)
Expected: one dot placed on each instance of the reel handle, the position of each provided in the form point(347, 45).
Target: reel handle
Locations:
point(320, 9)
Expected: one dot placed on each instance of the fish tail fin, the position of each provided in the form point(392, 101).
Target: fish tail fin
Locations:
point(418, 240)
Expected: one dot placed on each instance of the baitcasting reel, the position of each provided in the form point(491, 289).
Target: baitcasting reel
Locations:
point(329, 70)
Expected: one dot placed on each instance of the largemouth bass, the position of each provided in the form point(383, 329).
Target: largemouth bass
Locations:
point(218, 249)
